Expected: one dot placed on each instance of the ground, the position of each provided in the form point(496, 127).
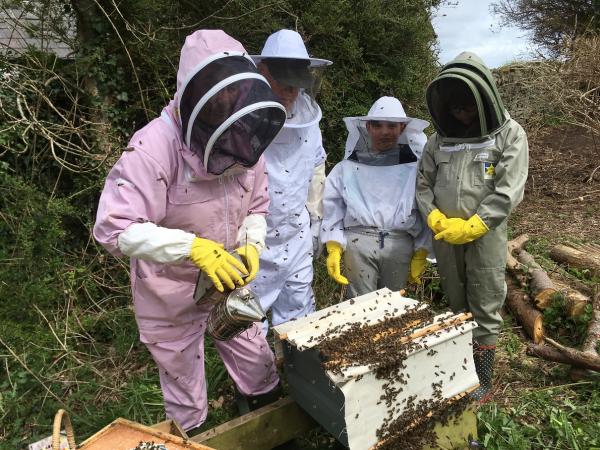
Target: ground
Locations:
point(563, 188)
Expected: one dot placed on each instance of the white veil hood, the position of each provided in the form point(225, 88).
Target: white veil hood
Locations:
point(387, 109)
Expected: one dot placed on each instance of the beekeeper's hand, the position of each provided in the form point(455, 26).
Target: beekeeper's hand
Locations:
point(417, 266)
point(220, 266)
point(460, 231)
point(251, 258)
point(334, 259)
point(434, 220)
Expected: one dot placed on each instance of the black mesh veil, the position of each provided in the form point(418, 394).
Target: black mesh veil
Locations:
point(229, 113)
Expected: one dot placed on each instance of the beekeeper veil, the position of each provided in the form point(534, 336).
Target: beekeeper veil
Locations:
point(288, 63)
point(465, 85)
point(386, 109)
point(229, 114)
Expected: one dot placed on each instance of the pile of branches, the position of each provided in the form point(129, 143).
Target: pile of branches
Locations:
point(566, 87)
point(531, 290)
point(48, 115)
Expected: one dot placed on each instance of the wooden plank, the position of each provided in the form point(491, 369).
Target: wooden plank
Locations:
point(123, 434)
point(170, 426)
point(262, 429)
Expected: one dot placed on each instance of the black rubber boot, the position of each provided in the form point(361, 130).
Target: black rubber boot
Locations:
point(196, 430)
point(483, 356)
point(247, 403)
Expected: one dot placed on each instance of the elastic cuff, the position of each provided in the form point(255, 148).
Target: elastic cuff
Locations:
point(480, 220)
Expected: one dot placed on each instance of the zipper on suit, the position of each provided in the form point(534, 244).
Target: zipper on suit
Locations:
point(223, 182)
point(466, 159)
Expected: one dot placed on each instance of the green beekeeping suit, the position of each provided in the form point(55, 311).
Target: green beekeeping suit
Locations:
point(473, 167)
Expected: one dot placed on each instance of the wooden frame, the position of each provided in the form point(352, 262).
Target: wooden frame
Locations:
point(265, 428)
point(125, 434)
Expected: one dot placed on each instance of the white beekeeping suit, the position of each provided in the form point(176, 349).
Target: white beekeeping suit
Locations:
point(369, 203)
point(296, 167)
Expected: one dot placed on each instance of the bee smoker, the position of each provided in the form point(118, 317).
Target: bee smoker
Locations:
point(233, 311)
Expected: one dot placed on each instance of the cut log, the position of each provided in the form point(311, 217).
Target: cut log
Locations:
point(582, 257)
point(575, 301)
point(529, 317)
point(581, 286)
point(552, 354)
point(541, 285)
point(592, 338)
point(585, 360)
point(593, 332)
point(514, 246)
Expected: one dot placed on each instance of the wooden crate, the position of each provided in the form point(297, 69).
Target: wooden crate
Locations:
point(123, 434)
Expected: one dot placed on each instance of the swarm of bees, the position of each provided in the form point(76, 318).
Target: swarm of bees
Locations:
point(414, 428)
point(372, 345)
point(149, 446)
point(381, 347)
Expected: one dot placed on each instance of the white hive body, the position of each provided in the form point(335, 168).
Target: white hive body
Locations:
point(348, 401)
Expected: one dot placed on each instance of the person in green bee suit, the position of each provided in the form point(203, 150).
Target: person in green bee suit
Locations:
point(471, 176)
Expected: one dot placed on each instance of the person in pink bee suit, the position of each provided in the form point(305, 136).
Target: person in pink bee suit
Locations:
point(190, 188)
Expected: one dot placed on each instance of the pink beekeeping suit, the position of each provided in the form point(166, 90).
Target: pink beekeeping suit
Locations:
point(160, 192)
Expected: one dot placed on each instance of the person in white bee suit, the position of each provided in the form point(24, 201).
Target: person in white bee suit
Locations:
point(370, 213)
point(296, 169)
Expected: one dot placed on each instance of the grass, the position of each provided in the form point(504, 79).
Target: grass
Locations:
point(87, 359)
point(562, 417)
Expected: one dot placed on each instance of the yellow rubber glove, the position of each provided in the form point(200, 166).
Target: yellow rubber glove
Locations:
point(334, 259)
point(251, 258)
point(460, 231)
point(434, 220)
point(417, 266)
point(220, 266)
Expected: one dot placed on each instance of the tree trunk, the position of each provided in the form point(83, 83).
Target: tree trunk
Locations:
point(98, 106)
point(529, 317)
point(582, 257)
point(593, 332)
point(574, 358)
point(575, 301)
point(515, 245)
point(593, 337)
point(541, 285)
point(586, 360)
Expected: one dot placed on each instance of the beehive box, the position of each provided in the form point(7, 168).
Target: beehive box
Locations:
point(123, 434)
point(353, 399)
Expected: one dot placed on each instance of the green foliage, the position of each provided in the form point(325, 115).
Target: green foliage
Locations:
point(560, 418)
point(430, 290)
point(570, 329)
point(511, 341)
